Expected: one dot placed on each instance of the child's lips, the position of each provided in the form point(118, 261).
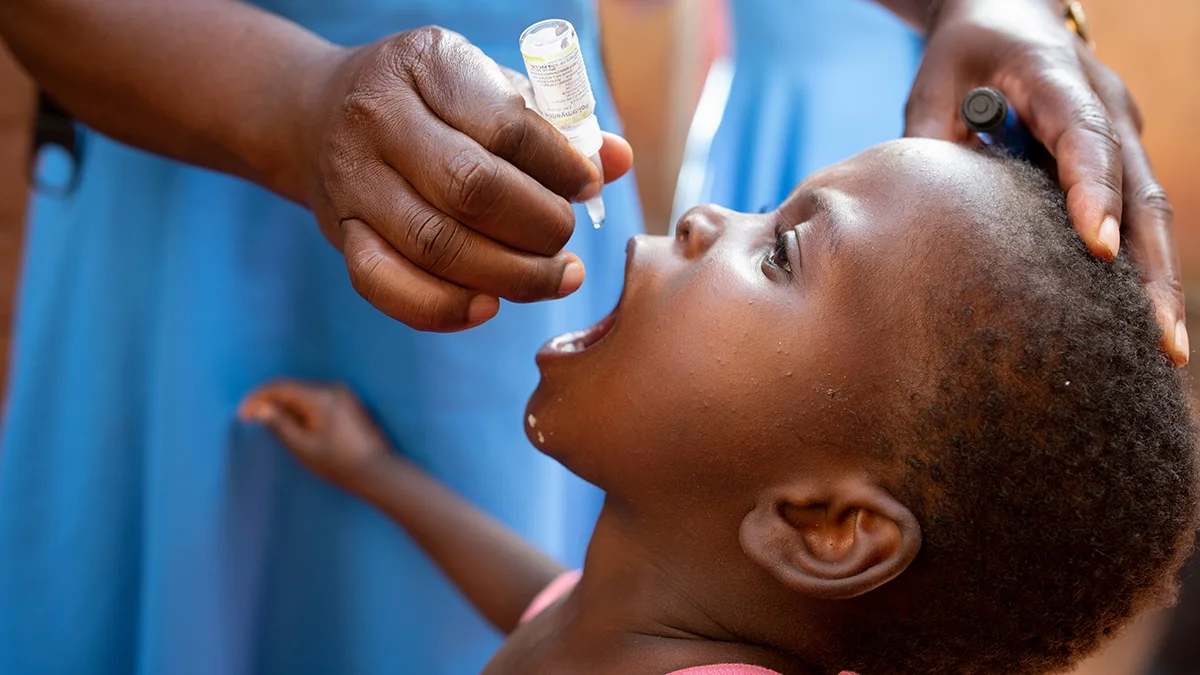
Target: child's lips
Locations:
point(578, 341)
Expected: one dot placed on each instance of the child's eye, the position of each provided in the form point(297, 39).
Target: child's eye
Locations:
point(779, 255)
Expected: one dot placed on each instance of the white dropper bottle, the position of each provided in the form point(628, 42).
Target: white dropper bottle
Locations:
point(563, 93)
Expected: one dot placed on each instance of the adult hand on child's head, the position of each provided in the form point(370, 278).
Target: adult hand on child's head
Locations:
point(1079, 109)
point(444, 191)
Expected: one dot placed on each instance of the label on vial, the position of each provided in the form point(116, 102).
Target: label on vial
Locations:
point(560, 86)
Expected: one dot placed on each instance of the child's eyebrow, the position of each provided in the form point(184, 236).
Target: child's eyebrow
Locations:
point(825, 209)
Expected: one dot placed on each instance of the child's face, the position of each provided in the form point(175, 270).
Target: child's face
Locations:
point(723, 370)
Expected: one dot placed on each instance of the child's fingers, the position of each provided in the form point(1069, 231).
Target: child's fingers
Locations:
point(255, 408)
point(286, 427)
point(284, 407)
point(298, 399)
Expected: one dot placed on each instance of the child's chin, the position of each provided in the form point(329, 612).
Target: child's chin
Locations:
point(534, 407)
point(548, 422)
point(539, 417)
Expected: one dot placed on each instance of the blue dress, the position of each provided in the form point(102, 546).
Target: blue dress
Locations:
point(144, 530)
point(813, 82)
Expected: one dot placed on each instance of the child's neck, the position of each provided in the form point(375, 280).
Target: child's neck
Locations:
point(628, 614)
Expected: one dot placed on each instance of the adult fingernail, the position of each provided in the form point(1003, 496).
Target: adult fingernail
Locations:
point(572, 278)
point(1110, 235)
point(1181, 349)
point(482, 308)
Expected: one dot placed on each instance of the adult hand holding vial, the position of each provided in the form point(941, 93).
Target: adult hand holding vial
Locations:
point(563, 93)
point(442, 188)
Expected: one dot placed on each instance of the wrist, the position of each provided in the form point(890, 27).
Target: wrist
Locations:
point(283, 148)
point(380, 479)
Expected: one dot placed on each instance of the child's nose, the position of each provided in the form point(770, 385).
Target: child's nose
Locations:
point(699, 229)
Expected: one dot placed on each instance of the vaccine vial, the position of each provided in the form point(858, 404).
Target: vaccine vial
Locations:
point(562, 92)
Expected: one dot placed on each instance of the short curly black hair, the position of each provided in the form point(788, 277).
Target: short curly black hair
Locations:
point(1051, 459)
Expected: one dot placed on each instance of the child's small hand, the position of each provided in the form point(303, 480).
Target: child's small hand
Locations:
point(324, 426)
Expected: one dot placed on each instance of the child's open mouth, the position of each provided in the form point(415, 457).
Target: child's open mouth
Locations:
point(580, 340)
point(577, 342)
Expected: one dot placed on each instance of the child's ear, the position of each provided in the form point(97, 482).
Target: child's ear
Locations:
point(831, 541)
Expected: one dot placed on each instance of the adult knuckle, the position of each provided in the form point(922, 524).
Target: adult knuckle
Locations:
point(412, 55)
point(364, 106)
point(1094, 119)
point(366, 273)
point(1174, 288)
point(1166, 291)
point(434, 312)
point(472, 183)
point(448, 252)
point(1153, 198)
point(422, 52)
point(429, 238)
point(437, 38)
point(508, 127)
point(559, 230)
point(529, 283)
point(416, 44)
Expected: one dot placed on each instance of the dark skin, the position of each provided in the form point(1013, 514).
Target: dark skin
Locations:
point(423, 166)
point(1077, 107)
point(748, 468)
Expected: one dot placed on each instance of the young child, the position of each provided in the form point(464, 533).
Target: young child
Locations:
point(903, 424)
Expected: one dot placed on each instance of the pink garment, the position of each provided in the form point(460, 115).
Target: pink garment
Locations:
point(567, 581)
point(725, 669)
point(561, 585)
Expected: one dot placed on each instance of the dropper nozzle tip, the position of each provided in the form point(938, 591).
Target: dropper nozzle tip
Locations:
point(595, 209)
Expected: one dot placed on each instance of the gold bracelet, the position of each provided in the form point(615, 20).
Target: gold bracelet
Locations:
point(1077, 22)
